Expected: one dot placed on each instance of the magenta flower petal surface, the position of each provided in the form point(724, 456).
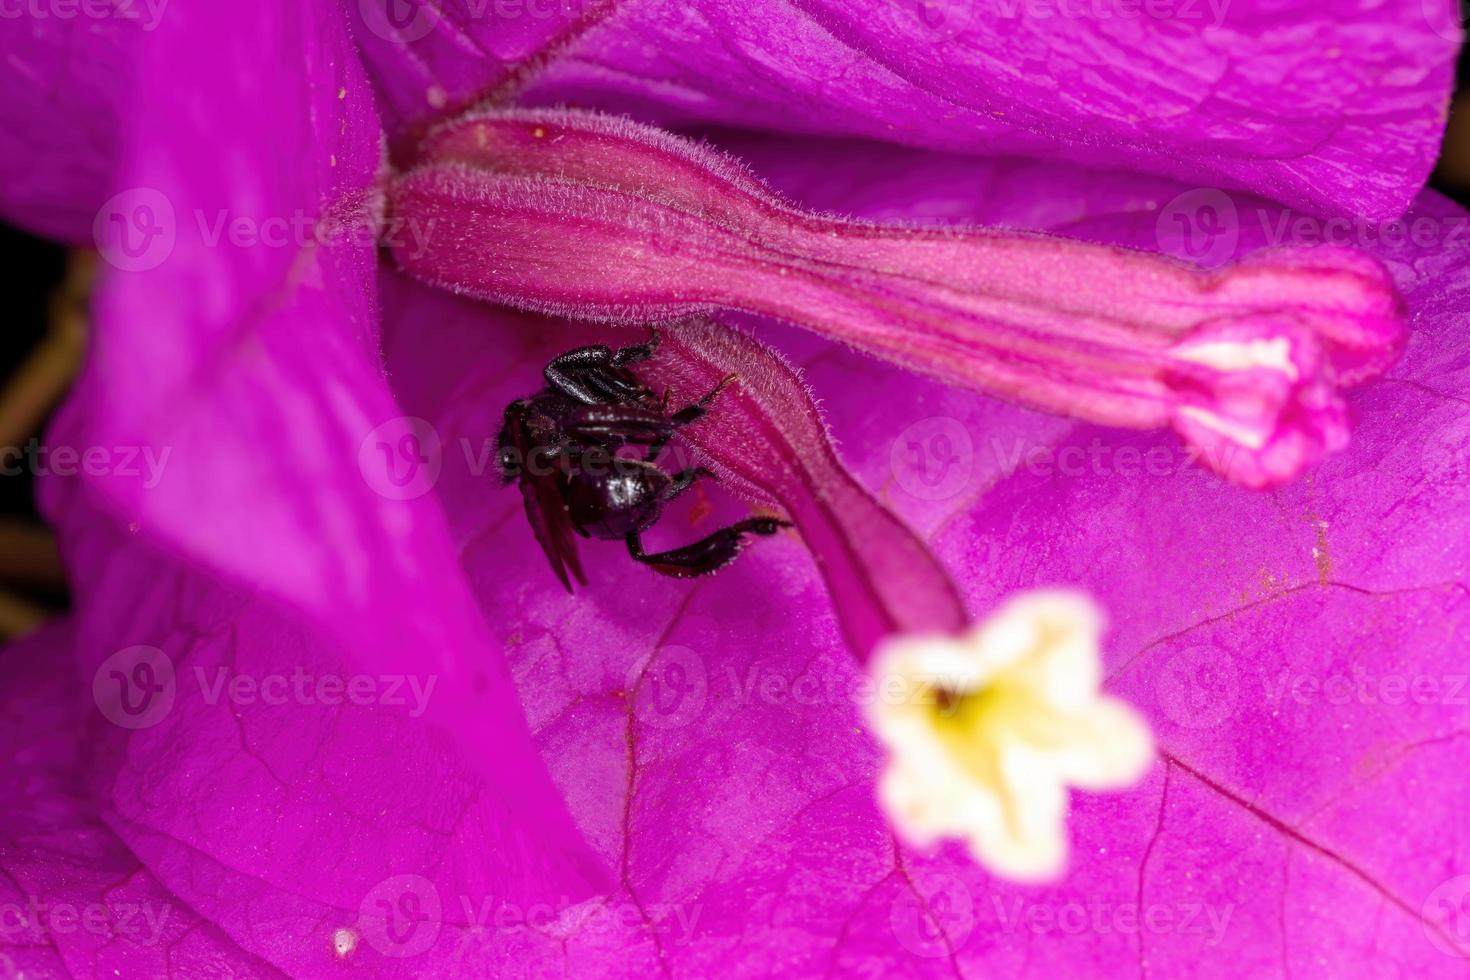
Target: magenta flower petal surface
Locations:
point(282, 788)
point(239, 360)
point(329, 707)
point(428, 57)
point(1294, 102)
point(1330, 107)
point(76, 901)
point(64, 77)
point(1362, 130)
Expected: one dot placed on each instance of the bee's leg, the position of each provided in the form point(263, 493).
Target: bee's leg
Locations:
point(707, 555)
point(616, 425)
point(594, 375)
point(691, 413)
point(641, 352)
point(581, 374)
point(683, 480)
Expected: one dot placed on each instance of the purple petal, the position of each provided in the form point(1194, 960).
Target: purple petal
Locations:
point(236, 363)
point(283, 788)
point(597, 668)
point(75, 901)
point(64, 77)
point(743, 830)
point(1333, 108)
point(429, 58)
point(1254, 617)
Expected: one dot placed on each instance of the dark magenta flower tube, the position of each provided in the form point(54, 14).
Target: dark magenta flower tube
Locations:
point(766, 439)
point(598, 218)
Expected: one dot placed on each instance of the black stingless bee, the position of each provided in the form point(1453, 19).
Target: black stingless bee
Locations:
point(561, 444)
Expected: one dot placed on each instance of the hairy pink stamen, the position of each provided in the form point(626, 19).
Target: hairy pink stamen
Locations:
point(598, 218)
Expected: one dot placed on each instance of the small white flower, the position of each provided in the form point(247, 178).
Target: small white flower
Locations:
point(996, 725)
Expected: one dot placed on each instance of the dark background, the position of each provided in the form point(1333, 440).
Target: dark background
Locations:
point(33, 270)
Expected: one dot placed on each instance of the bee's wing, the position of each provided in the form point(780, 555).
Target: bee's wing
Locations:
point(545, 508)
point(548, 515)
